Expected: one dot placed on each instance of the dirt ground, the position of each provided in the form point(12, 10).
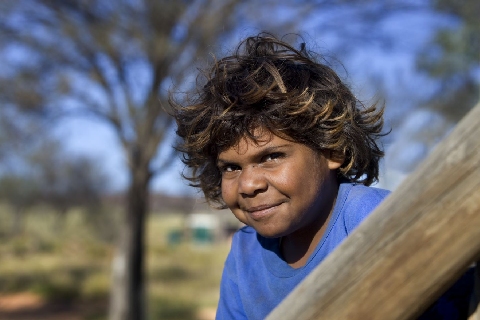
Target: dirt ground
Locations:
point(28, 306)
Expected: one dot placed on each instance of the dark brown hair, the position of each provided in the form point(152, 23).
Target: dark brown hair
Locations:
point(267, 83)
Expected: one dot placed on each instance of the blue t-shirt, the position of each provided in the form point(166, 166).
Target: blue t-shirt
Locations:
point(255, 277)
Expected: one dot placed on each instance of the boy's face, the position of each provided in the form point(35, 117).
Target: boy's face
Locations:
point(277, 186)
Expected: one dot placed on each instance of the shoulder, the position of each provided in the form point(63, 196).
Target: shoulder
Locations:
point(244, 243)
point(245, 252)
point(358, 193)
point(358, 201)
point(244, 235)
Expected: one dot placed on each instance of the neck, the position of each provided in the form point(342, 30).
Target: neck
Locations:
point(297, 250)
point(297, 247)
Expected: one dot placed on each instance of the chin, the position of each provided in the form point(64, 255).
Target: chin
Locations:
point(270, 233)
point(269, 236)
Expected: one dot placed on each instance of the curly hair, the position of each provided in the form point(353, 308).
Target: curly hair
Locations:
point(269, 84)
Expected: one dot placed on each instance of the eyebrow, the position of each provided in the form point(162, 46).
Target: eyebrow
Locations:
point(261, 152)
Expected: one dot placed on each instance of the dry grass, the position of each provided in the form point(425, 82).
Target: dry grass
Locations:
point(68, 263)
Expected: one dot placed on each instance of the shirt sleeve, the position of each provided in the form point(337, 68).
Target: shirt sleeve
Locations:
point(360, 203)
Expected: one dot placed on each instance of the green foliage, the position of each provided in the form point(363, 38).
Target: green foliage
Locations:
point(453, 59)
point(104, 222)
point(96, 285)
point(172, 309)
point(169, 274)
point(45, 174)
point(60, 288)
point(19, 190)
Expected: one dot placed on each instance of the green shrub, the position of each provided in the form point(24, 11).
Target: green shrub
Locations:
point(171, 308)
point(19, 246)
point(61, 287)
point(96, 285)
point(167, 274)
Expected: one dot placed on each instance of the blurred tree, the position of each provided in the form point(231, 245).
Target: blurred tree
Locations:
point(18, 135)
point(20, 192)
point(111, 60)
point(17, 189)
point(115, 60)
point(67, 181)
point(45, 174)
point(453, 59)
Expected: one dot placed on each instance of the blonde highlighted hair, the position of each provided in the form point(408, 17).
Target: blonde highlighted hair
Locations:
point(269, 84)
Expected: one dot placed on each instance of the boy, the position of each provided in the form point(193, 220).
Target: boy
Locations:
point(282, 142)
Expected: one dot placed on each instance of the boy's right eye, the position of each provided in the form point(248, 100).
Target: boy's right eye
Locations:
point(229, 168)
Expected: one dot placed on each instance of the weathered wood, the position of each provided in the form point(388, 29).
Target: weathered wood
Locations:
point(410, 249)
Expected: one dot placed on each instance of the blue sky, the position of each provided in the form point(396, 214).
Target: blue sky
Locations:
point(94, 138)
point(394, 66)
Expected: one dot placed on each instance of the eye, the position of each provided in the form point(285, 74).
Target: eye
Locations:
point(273, 156)
point(229, 168)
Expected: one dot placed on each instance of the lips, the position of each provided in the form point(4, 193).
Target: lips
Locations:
point(262, 211)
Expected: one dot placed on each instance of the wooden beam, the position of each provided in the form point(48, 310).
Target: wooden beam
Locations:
point(410, 249)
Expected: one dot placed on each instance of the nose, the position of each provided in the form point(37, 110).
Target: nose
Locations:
point(252, 181)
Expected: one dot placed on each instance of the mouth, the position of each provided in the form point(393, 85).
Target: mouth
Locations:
point(262, 211)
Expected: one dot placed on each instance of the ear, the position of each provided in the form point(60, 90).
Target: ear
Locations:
point(335, 159)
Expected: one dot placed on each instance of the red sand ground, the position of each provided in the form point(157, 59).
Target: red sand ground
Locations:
point(28, 306)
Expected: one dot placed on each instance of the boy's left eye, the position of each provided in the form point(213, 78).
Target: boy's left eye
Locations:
point(273, 156)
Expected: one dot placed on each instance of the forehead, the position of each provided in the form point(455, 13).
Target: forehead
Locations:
point(261, 140)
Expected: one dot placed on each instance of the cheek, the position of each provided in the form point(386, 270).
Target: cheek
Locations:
point(306, 181)
point(230, 199)
point(240, 216)
point(295, 178)
point(227, 192)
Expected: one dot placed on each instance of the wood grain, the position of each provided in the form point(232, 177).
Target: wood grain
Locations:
point(410, 249)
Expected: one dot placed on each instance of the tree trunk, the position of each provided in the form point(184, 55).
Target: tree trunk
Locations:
point(127, 297)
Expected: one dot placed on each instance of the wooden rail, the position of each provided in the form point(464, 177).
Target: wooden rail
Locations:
point(410, 249)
